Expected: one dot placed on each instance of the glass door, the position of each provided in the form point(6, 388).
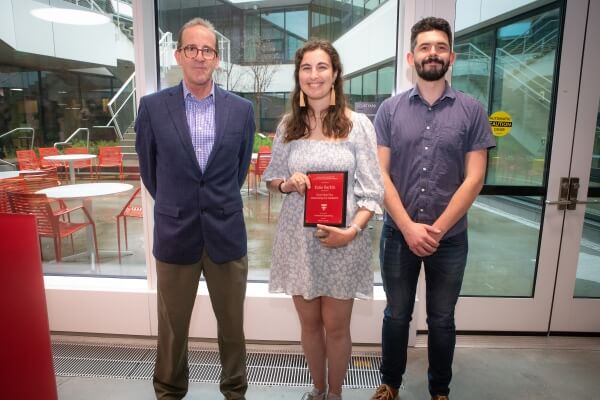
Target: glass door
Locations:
point(577, 297)
point(524, 64)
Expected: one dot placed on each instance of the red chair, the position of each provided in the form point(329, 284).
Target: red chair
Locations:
point(42, 180)
point(48, 164)
point(9, 185)
point(48, 221)
point(81, 163)
point(110, 156)
point(45, 179)
point(129, 210)
point(262, 162)
point(27, 159)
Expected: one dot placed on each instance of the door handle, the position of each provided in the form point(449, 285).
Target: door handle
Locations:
point(559, 203)
point(587, 201)
point(567, 195)
point(564, 200)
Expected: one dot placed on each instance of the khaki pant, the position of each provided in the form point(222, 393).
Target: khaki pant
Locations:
point(177, 288)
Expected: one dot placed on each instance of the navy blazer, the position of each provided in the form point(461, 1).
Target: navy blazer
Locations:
point(194, 210)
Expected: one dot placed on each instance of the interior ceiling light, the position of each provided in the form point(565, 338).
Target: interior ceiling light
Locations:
point(70, 16)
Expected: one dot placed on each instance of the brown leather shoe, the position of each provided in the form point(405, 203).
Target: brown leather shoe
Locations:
point(385, 392)
point(438, 397)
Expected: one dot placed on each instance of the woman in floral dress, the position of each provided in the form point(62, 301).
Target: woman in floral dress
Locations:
point(325, 272)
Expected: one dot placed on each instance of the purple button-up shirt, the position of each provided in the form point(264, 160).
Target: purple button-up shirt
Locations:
point(428, 145)
point(201, 121)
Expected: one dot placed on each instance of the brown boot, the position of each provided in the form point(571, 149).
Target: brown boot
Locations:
point(385, 392)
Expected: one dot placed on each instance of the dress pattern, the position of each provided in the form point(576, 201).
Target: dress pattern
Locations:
point(300, 265)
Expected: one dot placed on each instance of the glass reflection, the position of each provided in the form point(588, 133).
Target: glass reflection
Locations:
point(503, 238)
point(587, 283)
point(522, 56)
point(59, 96)
point(266, 39)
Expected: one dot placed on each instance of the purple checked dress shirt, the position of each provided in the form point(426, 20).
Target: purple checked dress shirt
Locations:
point(201, 121)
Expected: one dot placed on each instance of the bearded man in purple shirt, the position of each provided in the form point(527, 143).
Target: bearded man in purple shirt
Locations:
point(432, 147)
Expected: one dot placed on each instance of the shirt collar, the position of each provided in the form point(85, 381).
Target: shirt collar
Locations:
point(448, 93)
point(186, 92)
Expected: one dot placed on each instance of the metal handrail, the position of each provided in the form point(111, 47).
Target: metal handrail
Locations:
point(524, 37)
point(13, 131)
point(66, 142)
point(22, 129)
point(91, 4)
point(549, 36)
point(506, 54)
point(114, 114)
point(114, 98)
point(119, 109)
point(8, 163)
point(530, 91)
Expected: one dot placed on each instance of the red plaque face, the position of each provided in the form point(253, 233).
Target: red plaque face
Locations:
point(325, 201)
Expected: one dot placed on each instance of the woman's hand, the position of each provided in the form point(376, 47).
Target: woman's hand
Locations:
point(336, 237)
point(298, 182)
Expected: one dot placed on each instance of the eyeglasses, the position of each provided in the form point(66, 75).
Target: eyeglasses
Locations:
point(192, 52)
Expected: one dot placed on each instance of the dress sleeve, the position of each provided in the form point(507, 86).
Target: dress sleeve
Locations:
point(278, 167)
point(368, 182)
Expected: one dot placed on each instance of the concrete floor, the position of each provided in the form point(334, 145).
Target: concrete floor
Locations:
point(491, 368)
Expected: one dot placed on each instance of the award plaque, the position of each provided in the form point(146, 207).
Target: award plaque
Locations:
point(325, 201)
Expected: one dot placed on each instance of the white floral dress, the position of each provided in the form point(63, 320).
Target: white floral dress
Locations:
point(300, 265)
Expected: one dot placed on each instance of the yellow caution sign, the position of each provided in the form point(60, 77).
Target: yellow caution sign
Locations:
point(501, 123)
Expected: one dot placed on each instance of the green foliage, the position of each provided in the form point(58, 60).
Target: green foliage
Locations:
point(261, 141)
point(94, 145)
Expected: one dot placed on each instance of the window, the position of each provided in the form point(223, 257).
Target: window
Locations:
point(262, 42)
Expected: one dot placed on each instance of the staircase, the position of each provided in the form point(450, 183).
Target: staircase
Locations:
point(131, 165)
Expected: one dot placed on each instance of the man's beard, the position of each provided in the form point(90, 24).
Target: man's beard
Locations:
point(432, 74)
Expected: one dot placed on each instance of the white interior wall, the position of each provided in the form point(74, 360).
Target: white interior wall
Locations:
point(356, 47)
point(7, 23)
point(128, 307)
point(370, 42)
point(99, 44)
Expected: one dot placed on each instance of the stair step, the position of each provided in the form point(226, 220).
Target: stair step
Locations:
point(130, 156)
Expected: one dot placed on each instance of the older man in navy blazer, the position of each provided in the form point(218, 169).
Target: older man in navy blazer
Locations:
point(194, 143)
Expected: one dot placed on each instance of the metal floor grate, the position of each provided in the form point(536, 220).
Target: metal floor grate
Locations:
point(265, 367)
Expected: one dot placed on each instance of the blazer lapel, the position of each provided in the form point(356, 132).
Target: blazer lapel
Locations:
point(221, 115)
point(176, 107)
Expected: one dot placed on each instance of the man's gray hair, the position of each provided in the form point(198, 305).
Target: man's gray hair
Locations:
point(198, 22)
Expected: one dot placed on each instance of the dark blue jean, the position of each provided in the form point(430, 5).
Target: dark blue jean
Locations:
point(444, 271)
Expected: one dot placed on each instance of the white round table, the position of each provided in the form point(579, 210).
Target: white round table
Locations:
point(85, 190)
point(8, 174)
point(14, 174)
point(71, 158)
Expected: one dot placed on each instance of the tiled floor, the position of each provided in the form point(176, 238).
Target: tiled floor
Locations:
point(491, 368)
